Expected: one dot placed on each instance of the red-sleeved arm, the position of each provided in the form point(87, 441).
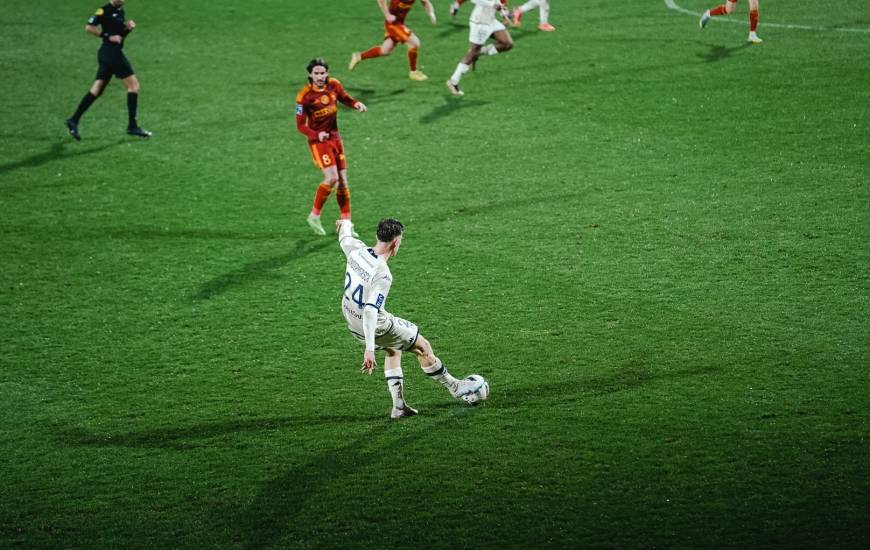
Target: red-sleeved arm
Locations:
point(303, 127)
point(301, 119)
point(343, 96)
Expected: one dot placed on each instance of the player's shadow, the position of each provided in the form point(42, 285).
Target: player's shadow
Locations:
point(159, 233)
point(57, 151)
point(272, 513)
point(563, 391)
point(718, 53)
point(258, 269)
point(370, 96)
point(452, 28)
point(202, 435)
point(450, 106)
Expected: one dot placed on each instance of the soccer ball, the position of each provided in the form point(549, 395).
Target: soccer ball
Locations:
point(481, 394)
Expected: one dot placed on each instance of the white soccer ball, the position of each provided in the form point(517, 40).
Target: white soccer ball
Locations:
point(481, 394)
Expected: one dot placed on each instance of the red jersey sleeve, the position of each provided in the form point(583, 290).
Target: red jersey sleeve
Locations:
point(343, 96)
point(302, 116)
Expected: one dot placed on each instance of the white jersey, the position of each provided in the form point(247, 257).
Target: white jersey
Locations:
point(367, 281)
point(484, 12)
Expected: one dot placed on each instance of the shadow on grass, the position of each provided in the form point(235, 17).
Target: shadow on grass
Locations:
point(450, 106)
point(57, 151)
point(370, 96)
point(191, 437)
point(166, 233)
point(259, 269)
point(566, 391)
point(273, 512)
point(455, 26)
point(718, 53)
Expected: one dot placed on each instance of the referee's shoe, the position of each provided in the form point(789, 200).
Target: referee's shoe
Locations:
point(136, 131)
point(73, 128)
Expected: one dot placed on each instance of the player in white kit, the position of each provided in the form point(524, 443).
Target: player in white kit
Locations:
point(482, 24)
point(367, 283)
point(543, 14)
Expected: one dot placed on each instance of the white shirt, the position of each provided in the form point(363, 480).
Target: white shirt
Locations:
point(484, 11)
point(367, 281)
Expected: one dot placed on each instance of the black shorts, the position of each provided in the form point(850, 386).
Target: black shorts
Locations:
point(113, 62)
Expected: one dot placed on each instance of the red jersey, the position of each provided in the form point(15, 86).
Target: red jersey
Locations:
point(400, 9)
point(317, 108)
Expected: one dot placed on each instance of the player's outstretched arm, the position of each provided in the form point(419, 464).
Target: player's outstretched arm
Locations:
point(348, 99)
point(346, 240)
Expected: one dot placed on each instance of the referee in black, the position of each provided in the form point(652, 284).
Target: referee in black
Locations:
point(109, 25)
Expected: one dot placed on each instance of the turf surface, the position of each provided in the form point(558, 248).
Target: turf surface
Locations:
point(652, 240)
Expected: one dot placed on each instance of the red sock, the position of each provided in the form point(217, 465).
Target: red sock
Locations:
point(718, 10)
point(374, 51)
point(412, 58)
point(323, 191)
point(342, 195)
point(753, 20)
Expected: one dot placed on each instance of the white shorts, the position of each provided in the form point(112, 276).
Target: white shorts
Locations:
point(477, 34)
point(396, 333)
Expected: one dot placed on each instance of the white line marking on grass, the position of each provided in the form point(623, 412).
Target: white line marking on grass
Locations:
point(672, 4)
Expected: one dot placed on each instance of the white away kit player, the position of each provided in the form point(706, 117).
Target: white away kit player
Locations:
point(367, 282)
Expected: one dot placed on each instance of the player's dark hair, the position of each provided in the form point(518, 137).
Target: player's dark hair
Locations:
point(389, 229)
point(317, 62)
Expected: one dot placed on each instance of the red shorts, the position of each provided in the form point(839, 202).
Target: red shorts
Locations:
point(397, 31)
point(328, 153)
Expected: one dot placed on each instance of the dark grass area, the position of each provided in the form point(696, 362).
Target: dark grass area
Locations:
point(652, 240)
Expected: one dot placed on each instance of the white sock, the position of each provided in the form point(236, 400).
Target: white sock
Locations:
point(461, 69)
point(439, 372)
point(396, 385)
point(530, 5)
point(489, 49)
point(544, 14)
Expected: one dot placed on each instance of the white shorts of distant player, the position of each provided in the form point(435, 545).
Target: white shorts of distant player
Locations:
point(393, 333)
point(477, 33)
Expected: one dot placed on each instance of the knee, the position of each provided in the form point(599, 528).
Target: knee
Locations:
point(133, 88)
point(507, 46)
point(422, 347)
point(729, 6)
point(330, 180)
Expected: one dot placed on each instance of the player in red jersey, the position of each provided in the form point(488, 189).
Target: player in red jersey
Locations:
point(397, 33)
point(316, 118)
point(728, 8)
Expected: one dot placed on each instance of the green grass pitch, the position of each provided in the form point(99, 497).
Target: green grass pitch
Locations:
point(653, 240)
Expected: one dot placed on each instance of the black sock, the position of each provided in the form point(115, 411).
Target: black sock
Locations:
point(83, 106)
point(132, 104)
